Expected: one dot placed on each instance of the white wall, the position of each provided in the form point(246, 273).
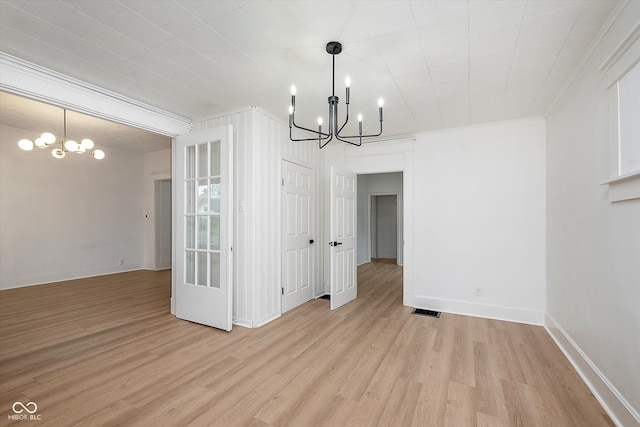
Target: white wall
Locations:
point(474, 216)
point(593, 245)
point(479, 215)
point(69, 218)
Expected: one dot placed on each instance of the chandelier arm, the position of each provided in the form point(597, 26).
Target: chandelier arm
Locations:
point(359, 143)
point(307, 139)
point(293, 122)
point(326, 135)
point(324, 145)
point(363, 136)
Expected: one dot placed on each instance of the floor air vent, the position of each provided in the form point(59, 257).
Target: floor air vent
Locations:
point(327, 297)
point(423, 312)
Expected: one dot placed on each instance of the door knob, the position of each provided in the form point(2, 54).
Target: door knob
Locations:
point(311, 242)
point(335, 243)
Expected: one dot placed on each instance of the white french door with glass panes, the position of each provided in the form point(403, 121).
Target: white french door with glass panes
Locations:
point(204, 227)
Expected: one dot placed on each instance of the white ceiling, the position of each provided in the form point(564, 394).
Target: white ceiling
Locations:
point(437, 64)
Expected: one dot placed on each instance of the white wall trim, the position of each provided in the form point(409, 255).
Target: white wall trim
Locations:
point(264, 321)
point(375, 157)
point(242, 322)
point(510, 314)
point(174, 212)
point(33, 81)
point(65, 276)
point(616, 406)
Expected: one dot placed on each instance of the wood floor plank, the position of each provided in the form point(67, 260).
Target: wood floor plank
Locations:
point(106, 351)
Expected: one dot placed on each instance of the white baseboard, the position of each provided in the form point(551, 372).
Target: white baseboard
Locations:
point(466, 308)
point(616, 406)
point(242, 322)
point(60, 277)
point(265, 320)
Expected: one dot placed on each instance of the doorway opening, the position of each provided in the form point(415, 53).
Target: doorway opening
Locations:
point(380, 218)
point(383, 230)
point(162, 224)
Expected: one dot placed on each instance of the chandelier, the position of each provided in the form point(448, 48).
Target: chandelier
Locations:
point(333, 48)
point(59, 149)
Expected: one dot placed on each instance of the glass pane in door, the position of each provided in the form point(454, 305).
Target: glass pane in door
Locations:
point(190, 197)
point(215, 270)
point(203, 159)
point(202, 267)
point(214, 233)
point(202, 232)
point(203, 196)
point(214, 196)
point(215, 158)
point(190, 267)
point(190, 232)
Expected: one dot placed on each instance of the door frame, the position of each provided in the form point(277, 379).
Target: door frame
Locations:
point(392, 156)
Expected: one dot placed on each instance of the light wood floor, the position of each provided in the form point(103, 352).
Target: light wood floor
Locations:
point(106, 351)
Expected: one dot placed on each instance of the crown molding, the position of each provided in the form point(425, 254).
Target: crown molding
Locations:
point(24, 78)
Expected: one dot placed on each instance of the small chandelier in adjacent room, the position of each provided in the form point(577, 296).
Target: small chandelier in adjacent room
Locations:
point(60, 148)
point(323, 138)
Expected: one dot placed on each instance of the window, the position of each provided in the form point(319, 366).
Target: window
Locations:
point(623, 82)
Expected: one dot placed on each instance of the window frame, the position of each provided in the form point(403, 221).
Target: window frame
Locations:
point(622, 60)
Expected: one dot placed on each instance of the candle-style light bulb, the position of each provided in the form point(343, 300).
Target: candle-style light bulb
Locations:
point(290, 115)
point(380, 104)
point(360, 123)
point(293, 97)
point(319, 121)
point(347, 83)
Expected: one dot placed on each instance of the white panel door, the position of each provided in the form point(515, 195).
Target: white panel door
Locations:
point(297, 243)
point(344, 285)
point(204, 227)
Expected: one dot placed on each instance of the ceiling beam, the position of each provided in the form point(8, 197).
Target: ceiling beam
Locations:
point(23, 78)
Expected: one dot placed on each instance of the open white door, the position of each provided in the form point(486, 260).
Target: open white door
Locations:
point(344, 285)
point(204, 227)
